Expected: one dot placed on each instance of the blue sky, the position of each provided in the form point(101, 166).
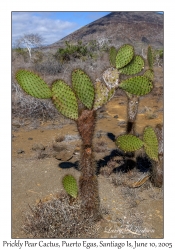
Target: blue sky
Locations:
point(52, 26)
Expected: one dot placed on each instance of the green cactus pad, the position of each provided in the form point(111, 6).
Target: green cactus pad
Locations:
point(65, 100)
point(134, 67)
point(129, 143)
point(150, 57)
point(83, 87)
point(149, 74)
point(138, 85)
point(112, 56)
point(150, 143)
point(102, 95)
point(70, 185)
point(33, 85)
point(124, 56)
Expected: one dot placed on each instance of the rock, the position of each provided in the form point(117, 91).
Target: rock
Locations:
point(77, 150)
point(43, 155)
point(60, 138)
point(64, 155)
point(121, 124)
point(20, 151)
point(58, 147)
point(16, 125)
point(121, 103)
point(38, 147)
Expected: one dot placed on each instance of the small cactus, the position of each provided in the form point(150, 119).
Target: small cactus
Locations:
point(83, 87)
point(138, 85)
point(33, 85)
point(70, 185)
point(65, 100)
point(129, 143)
point(112, 56)
point(149, 74)
point(150, 143)
point(134, 67)
point(124, 56)
point(150, 57)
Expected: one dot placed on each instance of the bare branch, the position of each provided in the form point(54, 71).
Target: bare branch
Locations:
point(30, 41)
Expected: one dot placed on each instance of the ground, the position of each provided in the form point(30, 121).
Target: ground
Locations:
point(43, 152)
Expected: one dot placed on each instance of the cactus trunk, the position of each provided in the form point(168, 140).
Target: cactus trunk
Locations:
point(157, 166)
point(133, 102)
point(88, 184)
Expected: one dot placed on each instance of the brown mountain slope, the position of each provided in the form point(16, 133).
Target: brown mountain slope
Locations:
point(134, 27)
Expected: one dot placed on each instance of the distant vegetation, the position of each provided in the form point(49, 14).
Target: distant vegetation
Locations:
point(79, 50)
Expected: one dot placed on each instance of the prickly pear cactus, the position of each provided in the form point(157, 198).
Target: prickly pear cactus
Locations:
point(138, 85)
point(129, 143)
point(149, 74)
point(65, 100)
point(102, 94)
point(111, 78)
point(83, 87)
point(124, 56)
point(33, 85)
point(150, 143)
point(112, 56)
point(70, 185)
point(134, 67)
point(150, 57)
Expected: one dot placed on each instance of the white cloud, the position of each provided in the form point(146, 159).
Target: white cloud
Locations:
point(51, 30)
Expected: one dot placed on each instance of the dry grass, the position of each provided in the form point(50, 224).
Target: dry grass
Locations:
point(59, 218)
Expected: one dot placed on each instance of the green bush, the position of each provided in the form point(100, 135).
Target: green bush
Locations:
point(80, 51)
point(158, 53)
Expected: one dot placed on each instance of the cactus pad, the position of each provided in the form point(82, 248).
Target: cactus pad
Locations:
point(138, 85)
point(102, 94)
point(83, 87)
point(112, 56)
point(150, 57)
point(150, 143)
point(129, 143)
point(124, 56)
point(149, 74)
point(111, 77)
point(134, 67)
point(33, 85)
point(65, 100)
point(70, 185)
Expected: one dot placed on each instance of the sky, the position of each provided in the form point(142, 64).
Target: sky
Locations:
point(52, 26)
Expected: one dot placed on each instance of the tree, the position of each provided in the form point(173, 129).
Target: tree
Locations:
point(30, 41)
